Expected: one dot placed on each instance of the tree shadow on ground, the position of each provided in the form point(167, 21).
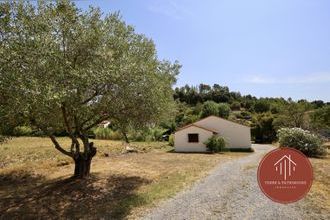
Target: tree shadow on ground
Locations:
point(112, 197)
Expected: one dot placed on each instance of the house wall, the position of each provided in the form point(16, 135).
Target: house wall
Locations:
point(236, 135)
point(181, 143)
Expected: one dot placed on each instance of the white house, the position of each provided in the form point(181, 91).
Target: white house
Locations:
point(191, 138)
point(104, 124)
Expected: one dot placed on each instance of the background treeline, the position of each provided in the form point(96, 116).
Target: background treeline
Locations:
point(265, 116)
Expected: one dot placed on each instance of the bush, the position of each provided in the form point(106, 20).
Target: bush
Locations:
point(215, 144)
point(320, 118)
point(224, 110)
point(156, 134)
point(171, 140)
point(235, 106)
point(302, 140)
point(261, 106)
point(150, 134)
point(246, 115)
point(263, 130)
point(138, 136)
point(107, 133)
point(209, 108)
point(116, 135)
point(22, 131)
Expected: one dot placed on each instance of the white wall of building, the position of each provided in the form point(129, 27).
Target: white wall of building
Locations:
point(236, 135)
point(181, 143)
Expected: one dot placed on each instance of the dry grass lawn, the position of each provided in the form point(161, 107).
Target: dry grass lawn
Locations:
point(318, 199)
point(35, 179)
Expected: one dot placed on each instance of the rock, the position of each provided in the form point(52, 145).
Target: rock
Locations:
point(131, 150)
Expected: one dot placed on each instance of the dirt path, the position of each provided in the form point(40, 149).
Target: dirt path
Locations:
point(231, 191)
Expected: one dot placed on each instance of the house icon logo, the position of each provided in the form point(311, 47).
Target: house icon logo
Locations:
point(285, 166)
point(285, 175)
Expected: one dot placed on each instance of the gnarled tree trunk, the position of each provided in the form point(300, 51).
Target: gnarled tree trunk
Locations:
point(83, 163)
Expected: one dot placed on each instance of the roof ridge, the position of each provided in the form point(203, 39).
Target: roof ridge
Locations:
point(188, 125)
point(198, 126)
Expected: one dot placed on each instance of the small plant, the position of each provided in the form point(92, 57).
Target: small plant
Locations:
point(107, 134)
point(216, 144)
point(302, 140)
point(171, 140)
point(22, 131)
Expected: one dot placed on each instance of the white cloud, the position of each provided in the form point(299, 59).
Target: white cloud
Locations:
point(323, 77)
point(169, 8)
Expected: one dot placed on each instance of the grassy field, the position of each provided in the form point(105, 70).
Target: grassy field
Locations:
point(318, 199)
point(35, 179)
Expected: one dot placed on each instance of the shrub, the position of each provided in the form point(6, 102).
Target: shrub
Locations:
point(261, 105)
point(171, 140)
point(215, 144)
point(246, 115)
point(224, 110)
point(115, 135)
point(320, 118)
point(156, 134)
point(263, 130)
point(302, 140)
point(150, 134)
point(139, 136)
point(235, 106)
point(107, 133)
point(209, 108)
point(22, 131)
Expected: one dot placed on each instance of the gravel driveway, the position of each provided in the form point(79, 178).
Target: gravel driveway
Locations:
point(230, 191)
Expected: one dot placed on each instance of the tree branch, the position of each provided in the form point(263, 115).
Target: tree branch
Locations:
point(96, 93)
point(68, 128)
point(66, 121)
point(98, 121)
point(87, 120)
point(58, 146)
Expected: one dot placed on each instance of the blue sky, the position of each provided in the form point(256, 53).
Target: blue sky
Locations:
point(263, 48)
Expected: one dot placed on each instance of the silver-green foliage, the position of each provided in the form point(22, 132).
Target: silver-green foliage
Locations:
point(302, 140)
point(63, 68)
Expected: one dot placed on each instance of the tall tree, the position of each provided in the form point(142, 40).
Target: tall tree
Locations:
point(62, 68)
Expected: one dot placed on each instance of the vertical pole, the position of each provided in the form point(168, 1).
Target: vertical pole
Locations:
point(284, 169)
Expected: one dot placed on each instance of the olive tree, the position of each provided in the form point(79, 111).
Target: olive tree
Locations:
point(63, 68)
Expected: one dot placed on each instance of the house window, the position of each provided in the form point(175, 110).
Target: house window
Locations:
point(193, 138)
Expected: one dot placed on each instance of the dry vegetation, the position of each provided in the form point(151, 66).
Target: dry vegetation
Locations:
point(318, 199)
point(35, 179)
